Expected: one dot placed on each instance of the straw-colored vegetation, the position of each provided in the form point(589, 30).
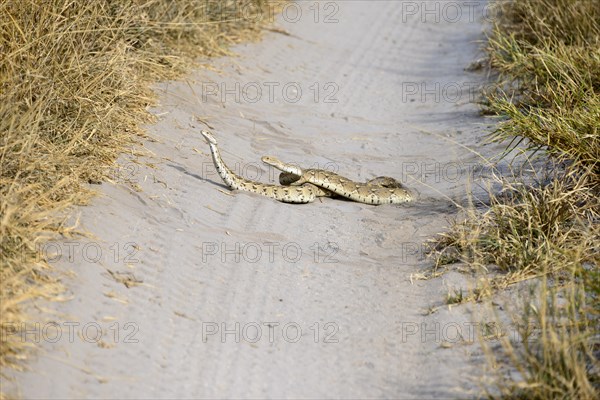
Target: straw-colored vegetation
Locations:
point(74, 88)
point(545, 226)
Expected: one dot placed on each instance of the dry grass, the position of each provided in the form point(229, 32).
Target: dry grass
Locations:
point(74, 88)
point(547, 53)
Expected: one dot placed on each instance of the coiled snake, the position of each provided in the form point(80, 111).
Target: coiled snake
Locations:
point(305, 185)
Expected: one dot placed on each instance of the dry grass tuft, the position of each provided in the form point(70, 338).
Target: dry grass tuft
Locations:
point(555, 354)
point(547, 53)
point(74, 88)
point(531, 229)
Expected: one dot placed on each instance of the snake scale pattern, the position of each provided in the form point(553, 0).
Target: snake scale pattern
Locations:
point(381, 190)
point(305, 185)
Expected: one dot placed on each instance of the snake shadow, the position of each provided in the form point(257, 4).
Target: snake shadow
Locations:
point(196, 176)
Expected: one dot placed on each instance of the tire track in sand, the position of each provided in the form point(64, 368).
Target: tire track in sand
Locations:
point(321, 292)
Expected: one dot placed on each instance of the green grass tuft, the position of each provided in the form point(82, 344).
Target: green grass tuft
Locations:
point(547, 55)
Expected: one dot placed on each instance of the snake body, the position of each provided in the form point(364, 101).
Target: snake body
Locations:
point(305, 185)
point(288, 194)
point(381, 190)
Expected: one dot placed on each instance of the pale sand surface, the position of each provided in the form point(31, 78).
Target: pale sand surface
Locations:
point(338, 271)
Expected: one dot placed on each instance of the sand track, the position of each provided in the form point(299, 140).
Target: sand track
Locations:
point(338, 271)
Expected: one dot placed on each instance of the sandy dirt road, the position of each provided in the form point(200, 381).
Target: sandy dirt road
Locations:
point(242, 296)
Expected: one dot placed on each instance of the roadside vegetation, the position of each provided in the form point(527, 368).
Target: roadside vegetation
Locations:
point(74, 91)
point(542, 230)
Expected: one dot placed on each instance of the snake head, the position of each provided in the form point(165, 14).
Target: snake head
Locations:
point(270, 160)
point(209, 137)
